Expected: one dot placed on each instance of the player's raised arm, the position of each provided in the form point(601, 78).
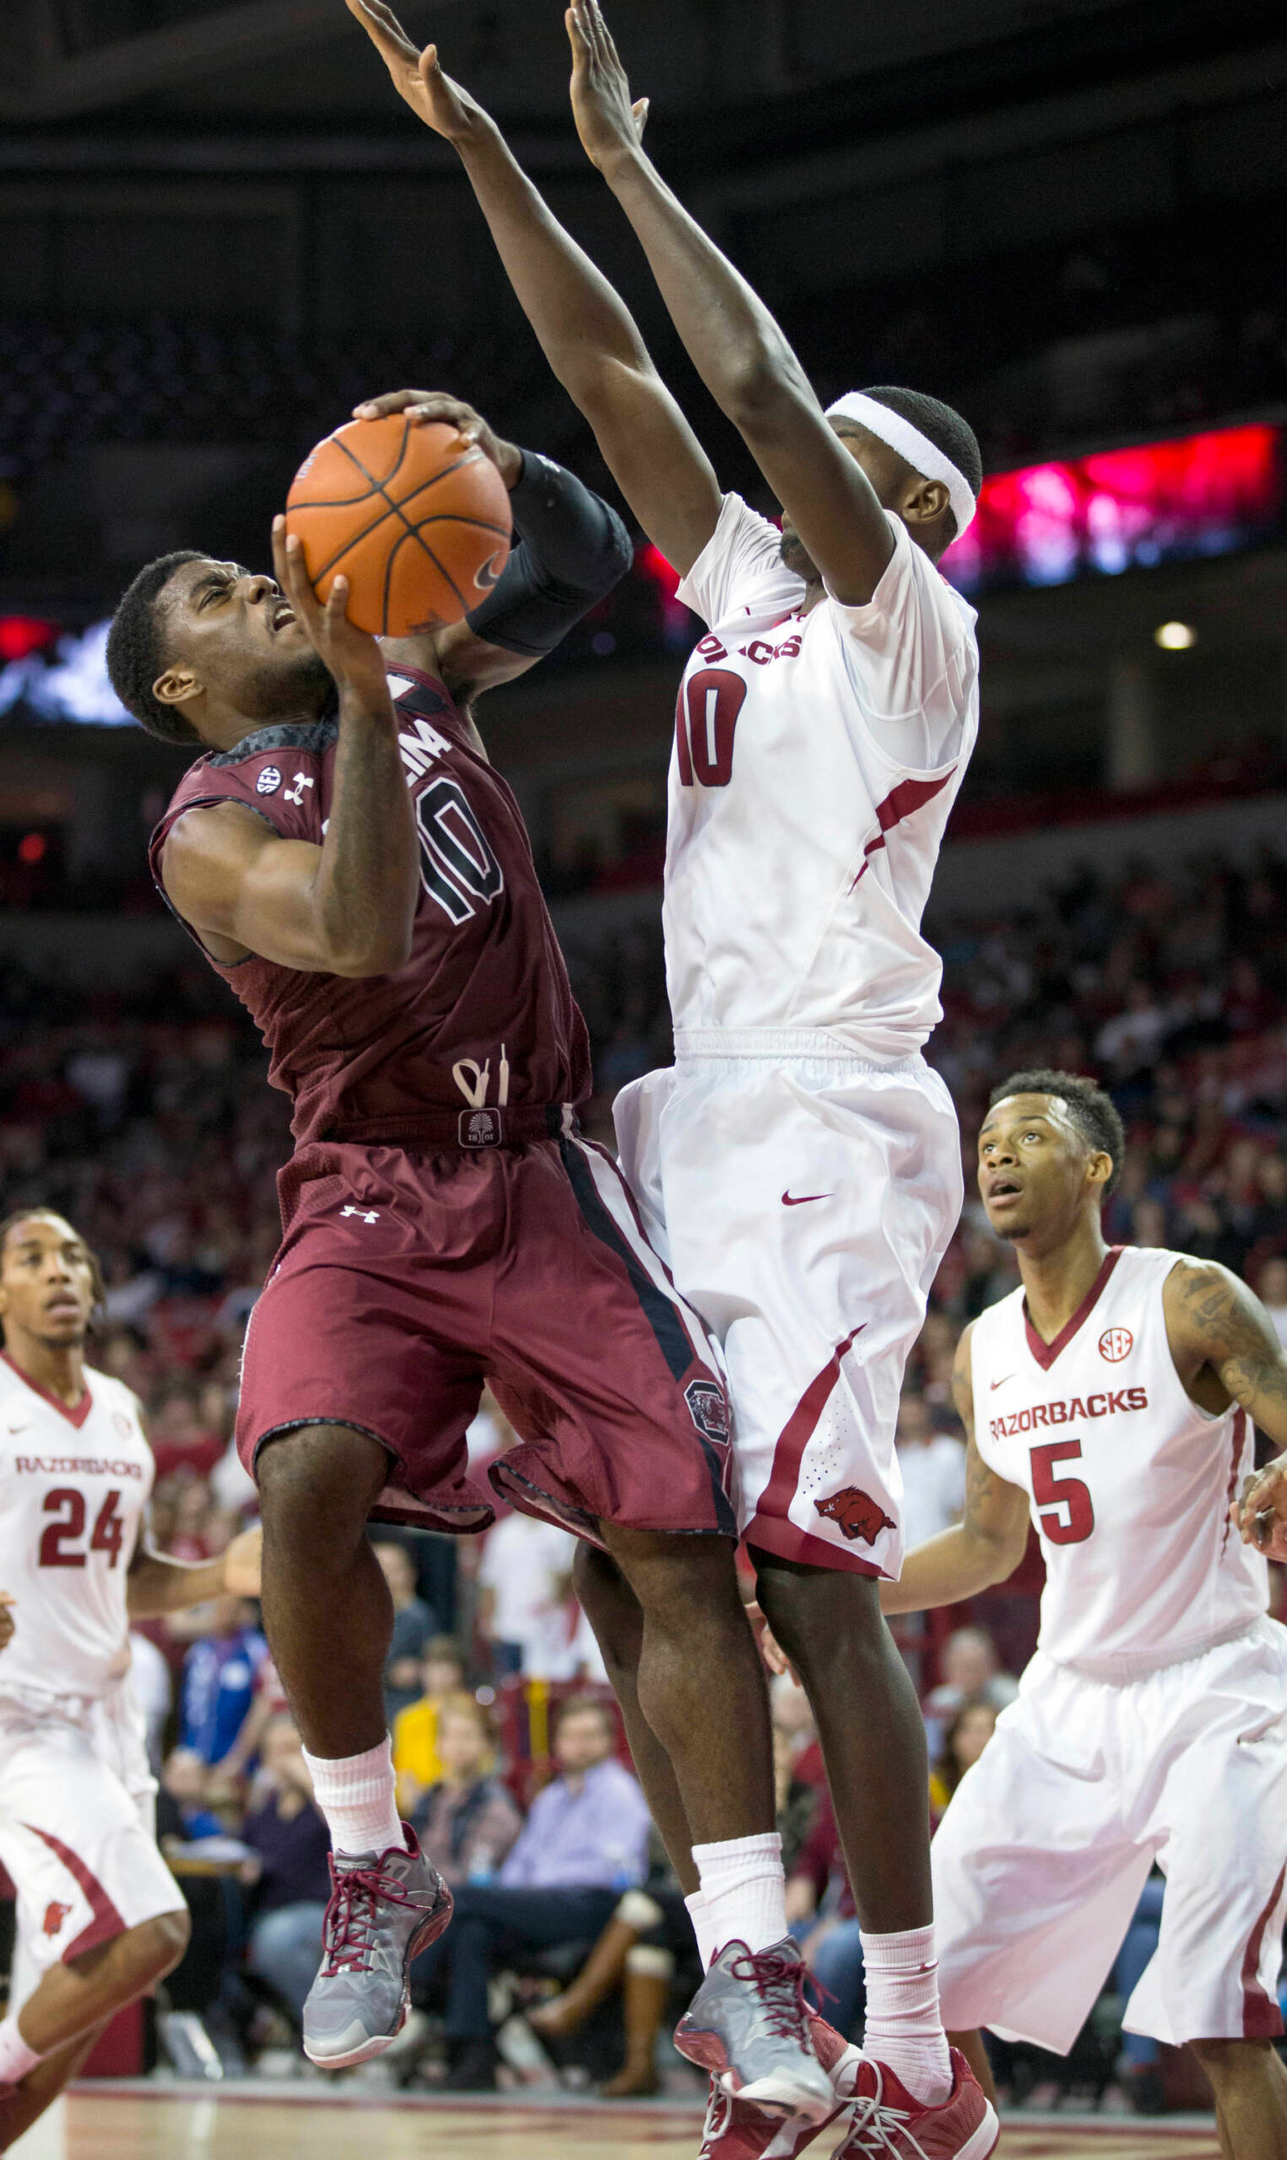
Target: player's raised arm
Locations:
point(986, 1547)
point(344, 908)
point(1220, 1333)
point(157, 1583)
point(734, 342)
point(585, 330)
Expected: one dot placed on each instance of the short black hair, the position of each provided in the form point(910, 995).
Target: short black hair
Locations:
point(1092, 1111)
point(24, 1214)
point(941, 424)
point(136, 650)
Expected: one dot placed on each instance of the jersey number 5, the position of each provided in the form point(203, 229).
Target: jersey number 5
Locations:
point(705, 724)
point(68, 1503)
point(1056, 1493)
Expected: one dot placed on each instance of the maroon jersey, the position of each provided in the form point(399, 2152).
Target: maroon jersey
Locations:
point(485, 992)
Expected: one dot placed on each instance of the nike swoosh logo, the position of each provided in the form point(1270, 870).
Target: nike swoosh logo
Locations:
point(486, 576)
point(803, 1199)
point(995, 1384)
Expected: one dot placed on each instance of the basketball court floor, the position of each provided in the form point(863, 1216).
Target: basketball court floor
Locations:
point(127, 2121)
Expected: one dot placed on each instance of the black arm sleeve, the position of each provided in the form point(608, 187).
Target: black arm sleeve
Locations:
point(571, 549)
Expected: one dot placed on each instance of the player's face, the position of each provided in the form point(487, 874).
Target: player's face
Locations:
point(883, 467)
point(47, 1285)
point(232, 631)
point(1033, 1166)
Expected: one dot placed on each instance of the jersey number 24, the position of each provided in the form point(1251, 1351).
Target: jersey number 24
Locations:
point(59, 1539)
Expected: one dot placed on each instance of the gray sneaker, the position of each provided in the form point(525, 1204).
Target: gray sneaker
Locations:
point(748, 2025)
point(385, 1908)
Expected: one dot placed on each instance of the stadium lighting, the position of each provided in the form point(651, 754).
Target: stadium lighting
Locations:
point(1175, 636)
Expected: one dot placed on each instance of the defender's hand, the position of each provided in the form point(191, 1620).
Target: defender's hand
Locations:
point(423, 405)
point(6, 1619)
point(417, 77)
point(352, 656)
point(242, 1563)
point(609, 125)
point(1260, 1516)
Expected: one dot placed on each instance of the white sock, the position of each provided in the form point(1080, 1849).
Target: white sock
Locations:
point(701, 1928)
point(356, 1794)
point(744, 1891)
point(904, 2029)
point(16, 2058)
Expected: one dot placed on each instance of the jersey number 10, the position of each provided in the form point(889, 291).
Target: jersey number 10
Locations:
point(68, 1502)
point(705, 724)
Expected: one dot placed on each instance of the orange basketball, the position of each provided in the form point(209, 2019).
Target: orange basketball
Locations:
point(417, 520)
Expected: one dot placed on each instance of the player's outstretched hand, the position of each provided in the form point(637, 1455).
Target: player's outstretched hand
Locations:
point(6, 1619)
point(242, 1562)
point(352, 656)
point(771, 1650)
point(609, 125)
point(421, 406)
point(417, 76)
point(1260, 1516)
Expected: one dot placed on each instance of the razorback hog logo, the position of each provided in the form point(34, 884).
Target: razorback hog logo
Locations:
point(856, 1514)
point(55, 1914)
point(707, 1408)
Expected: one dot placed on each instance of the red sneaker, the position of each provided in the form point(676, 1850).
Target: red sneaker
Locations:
point(734, 2130)
point(888, 2124)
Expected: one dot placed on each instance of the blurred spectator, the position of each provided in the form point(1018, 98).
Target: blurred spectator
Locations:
point(965, 1736)
point(153, 1691)
point(585, 1840)
point(524, 1585)
point(1272, 1287)
point(184, 1776)
point(467, 1821)
point(415, 1731)
point(289, 1877)
point(971, 1668)
point(218, 1678)
point(932, 1466)
point(413, 1624)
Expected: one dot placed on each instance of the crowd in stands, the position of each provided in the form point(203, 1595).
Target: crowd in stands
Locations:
point(148, 1122)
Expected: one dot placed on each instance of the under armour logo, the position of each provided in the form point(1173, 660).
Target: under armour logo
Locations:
point(295, 794)
point(363, 1214)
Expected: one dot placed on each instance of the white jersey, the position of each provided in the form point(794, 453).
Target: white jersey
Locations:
point(76, 1484)
point(816, 760)
point(1129, 1481)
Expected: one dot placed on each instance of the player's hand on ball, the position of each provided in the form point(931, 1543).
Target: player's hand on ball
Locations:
point(421, 406)
point(417, 76)
point(242, 1563)
point(1260, 1516)
point(353, 657)
point(609, 125)
point(6, 1619)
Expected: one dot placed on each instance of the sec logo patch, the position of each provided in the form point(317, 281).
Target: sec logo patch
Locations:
point(1116, 1343)
point(269, 781)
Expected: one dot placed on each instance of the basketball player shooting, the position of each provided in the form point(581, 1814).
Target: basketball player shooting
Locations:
point(1111, 1400)
point(100, 1917)
point(800, 1165)
point(350, 863)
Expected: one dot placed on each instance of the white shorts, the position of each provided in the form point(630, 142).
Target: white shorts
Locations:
point(803, 1204)
point(1043, 1852)
point(76, 1799)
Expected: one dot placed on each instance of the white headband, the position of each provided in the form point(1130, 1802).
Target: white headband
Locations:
point(925, 456)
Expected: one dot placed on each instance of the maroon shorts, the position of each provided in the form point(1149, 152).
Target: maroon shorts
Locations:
point(407, 1278)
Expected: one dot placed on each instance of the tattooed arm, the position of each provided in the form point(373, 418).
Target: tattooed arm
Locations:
point(986, 1547)
point(1226, 1351)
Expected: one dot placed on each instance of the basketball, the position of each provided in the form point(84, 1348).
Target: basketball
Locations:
point(416, 519)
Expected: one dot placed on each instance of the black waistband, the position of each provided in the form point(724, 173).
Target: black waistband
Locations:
point(467, 1129)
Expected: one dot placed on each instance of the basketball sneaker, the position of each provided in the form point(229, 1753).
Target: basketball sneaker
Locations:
point(748, 2024)
point(384, 1909)
point(734, 2130)
point(888, 2124)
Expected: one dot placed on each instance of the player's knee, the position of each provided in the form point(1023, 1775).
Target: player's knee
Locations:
point(818, 1613)
point(158, 1944)
point(610, 1605)
point(1225, 2061)
point(318, 1481)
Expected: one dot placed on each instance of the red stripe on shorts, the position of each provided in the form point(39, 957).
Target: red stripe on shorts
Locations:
point(771, 1527)
point(105, 1922)
point(1261, 2017)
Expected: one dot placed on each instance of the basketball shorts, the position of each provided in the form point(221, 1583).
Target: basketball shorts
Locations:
point(1043, 1852)
point(75, 1831)
point(407, 1279)
point(803, 1202)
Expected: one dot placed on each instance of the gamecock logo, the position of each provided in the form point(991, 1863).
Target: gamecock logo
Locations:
point(856, 1514)
point(707, 1408)
point(1116, 1343)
